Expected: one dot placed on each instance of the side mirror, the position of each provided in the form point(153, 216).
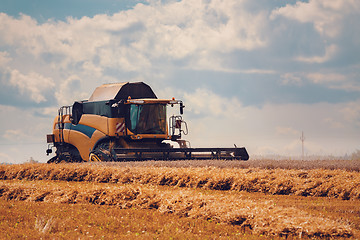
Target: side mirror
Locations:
point(77, 111)
point(181, 108)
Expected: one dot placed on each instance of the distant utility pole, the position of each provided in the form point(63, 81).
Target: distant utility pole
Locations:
point(302, 138)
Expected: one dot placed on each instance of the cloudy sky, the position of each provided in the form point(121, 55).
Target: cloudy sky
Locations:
point(251, 73)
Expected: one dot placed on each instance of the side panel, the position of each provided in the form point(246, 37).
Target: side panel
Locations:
point(83, 142)
point(96, 137)
point(90, 129)
point(116, 127)
point(95, 121)
point(83, 135)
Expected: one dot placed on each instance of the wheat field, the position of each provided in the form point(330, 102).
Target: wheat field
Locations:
point(341, 184)
point(217, 194)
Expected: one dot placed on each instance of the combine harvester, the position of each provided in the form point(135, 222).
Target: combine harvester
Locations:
point(125, 122)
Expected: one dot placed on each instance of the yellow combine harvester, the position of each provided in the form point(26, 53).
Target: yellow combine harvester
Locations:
point(125, 122)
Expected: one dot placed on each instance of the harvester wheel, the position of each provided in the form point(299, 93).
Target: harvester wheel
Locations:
point(52, 160)
point(101, 153)
point(94, 158)
point(64, 158)
point(65, 154)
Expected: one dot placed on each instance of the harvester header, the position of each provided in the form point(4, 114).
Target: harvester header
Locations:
point(126, 122)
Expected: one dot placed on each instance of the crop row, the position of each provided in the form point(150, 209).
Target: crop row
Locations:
point(340, 184)
point(259, 217)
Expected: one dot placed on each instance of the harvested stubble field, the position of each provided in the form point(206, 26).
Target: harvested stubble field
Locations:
point(268, 201)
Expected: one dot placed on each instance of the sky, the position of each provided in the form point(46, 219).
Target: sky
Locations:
point(252, 73)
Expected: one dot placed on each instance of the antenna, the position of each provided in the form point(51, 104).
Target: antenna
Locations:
point(302, 138)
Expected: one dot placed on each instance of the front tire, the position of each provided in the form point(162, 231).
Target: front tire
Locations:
point(66, 153)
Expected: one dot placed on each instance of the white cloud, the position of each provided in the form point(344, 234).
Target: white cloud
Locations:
point(333, 124)
point(330, 52)
point(287, 131)
point(14, 134)
point(4, 59)
point(351, 112)
point(23, 126)
point(70, 90)
point(320, 78)
point(331, 80)
point(204, 102)
point(33, 83)
point(5, 158)
point(132, 39)
point(353, 85)
point(325, 15)
point(271, 129)
point(334, 81)
point(18, 31)
point(186, 27)
point(291, 79)
point(318, 32)
point(23, 134)
point(257, 71)
point(49, 112)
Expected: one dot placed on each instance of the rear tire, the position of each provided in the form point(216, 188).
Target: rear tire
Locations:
point(65, 153)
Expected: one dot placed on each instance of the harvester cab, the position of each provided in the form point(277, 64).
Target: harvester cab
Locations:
point(125, 122)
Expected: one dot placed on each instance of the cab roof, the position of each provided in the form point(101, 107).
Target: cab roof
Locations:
point(123, 90)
